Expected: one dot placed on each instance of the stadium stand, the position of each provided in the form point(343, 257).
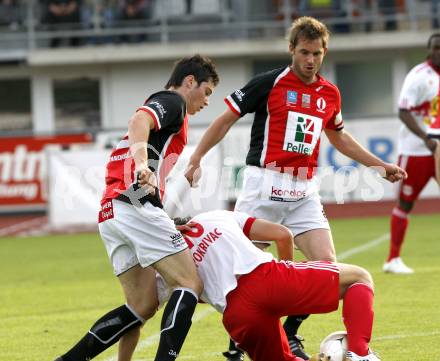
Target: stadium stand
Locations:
point(45, 23)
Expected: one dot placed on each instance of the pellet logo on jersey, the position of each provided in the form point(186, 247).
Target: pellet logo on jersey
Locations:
point(302, 131)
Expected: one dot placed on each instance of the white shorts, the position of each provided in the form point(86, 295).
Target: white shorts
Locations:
point(281, 198)
point(138, 236)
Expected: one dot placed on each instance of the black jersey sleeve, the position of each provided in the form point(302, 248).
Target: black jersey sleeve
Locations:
point(253, 94)
point(167, 110)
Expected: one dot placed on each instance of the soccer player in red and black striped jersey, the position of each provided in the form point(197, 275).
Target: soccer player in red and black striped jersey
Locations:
point(292, 106)
point(139, 236)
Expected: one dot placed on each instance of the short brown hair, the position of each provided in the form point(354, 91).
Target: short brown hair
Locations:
point(308, 28)
point(201, 67)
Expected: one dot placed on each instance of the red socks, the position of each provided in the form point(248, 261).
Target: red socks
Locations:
point(358, 317)
point(399, 224)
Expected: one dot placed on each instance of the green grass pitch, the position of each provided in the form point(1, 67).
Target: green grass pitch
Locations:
point(53, 288)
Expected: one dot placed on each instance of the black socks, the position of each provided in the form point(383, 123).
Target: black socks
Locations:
point(176, 321)
point(104, 333)
point(292, 324)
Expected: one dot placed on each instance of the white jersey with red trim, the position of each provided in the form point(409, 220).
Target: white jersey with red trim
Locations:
point(222, 251)
point(420, 96)
point(165, 144)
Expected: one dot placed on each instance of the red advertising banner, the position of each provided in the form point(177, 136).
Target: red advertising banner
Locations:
point(23, 169)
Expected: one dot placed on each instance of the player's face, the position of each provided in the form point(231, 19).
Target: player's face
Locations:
point(434, 51)
point(198, 96)
point(307, 57)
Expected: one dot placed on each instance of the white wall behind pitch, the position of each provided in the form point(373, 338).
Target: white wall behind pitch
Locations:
point(130, 84)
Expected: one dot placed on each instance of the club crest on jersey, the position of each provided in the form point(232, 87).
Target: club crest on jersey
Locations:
point(305, 100)
point(292, 97)
point(302, 133)
point(320, 105)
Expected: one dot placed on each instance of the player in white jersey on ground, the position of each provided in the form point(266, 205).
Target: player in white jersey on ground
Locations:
point(252, 290)
point(419, 112)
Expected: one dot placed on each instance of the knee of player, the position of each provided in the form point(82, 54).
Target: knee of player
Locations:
point(284, 234)
point(150, 311)
point(365, 277)
point(193, 283)
point(330, 256)
point(351, 274)
point(324, 255)
point(196, 285)
point(145, 308)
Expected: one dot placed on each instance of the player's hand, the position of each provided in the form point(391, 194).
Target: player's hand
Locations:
point(193, 172)
point(146, 179)
point(431, 144)
point(393, 173)
point(185, 227)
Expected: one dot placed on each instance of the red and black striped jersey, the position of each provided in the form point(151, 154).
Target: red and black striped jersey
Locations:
point(165, 144)
point(289, 117)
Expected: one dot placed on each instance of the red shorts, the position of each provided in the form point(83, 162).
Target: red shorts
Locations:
point(272, 290)
point(420, 169)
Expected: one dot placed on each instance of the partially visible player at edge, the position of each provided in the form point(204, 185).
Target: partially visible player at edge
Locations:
point(139, 236)
point(292, 106)
point(420, 114)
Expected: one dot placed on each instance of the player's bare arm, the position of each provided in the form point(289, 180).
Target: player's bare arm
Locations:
point(263, 230)
point(407, 118)
point(139, 127)
point(347, 145)
point(214, 134)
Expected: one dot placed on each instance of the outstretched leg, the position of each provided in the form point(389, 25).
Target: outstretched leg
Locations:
point(104, 333)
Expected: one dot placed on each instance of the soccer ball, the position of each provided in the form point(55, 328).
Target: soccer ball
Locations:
point(334, 346)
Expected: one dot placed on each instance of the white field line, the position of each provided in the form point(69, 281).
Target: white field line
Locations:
point(153, 339)
point(365, 247)
point(417, 334)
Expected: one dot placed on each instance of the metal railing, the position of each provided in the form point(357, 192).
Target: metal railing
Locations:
point(231, 19)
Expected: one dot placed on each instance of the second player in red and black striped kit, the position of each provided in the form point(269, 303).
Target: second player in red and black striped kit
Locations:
point(139, 237)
